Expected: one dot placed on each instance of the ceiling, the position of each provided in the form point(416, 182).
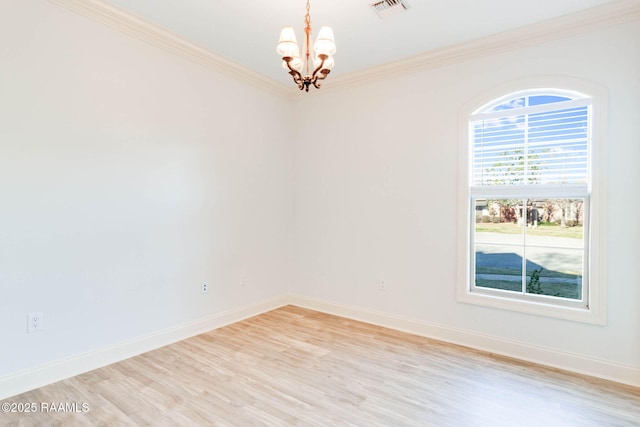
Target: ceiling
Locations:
point(246, 31)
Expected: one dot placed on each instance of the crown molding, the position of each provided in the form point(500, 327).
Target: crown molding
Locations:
point(141, 29)
point(606, 15)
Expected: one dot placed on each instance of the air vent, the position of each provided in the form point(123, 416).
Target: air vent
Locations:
point(386, 8)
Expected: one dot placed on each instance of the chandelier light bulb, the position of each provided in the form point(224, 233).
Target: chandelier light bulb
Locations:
point(296, 63)
point(328, 63)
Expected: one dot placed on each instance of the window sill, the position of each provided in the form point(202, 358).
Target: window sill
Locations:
point(591, 315)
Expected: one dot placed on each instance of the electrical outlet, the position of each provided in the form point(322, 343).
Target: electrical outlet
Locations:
point(204, 288)
point(243, 280)
point(34, 322)
point(382, 286)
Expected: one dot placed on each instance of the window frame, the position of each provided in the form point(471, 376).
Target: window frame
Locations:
point(594, 309)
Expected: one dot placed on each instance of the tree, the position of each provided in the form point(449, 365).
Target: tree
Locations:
point(506, 211)
point(563, 204)
point(548, 209)
point(510, 170)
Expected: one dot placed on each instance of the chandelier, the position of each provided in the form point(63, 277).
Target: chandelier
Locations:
point(323, 48)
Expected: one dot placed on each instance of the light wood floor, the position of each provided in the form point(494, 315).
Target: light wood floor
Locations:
point(294, 366)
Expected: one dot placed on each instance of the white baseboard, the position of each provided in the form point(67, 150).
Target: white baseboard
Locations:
point(40, 376)
point(621, 373)
point(49, 373)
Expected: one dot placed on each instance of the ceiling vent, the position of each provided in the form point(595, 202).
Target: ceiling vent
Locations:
point(386, 8)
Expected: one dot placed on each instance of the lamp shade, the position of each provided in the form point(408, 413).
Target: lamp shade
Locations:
point(287, 45)
point(325, 43)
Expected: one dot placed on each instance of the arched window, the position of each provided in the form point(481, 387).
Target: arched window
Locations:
point(529, 203)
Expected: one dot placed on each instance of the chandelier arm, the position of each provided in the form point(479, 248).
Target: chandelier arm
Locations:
point(319, 67)
point(322, 75)
point(297, 77)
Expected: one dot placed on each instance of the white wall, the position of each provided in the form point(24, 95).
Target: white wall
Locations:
point(128, 176)
point(375, 193)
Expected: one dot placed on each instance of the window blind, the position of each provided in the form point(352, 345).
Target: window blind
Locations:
point(544, 144)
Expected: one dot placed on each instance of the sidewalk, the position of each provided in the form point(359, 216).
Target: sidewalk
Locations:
point(543, 279)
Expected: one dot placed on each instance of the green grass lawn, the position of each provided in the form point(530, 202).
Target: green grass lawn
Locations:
point(514, 272)
point(541, 230)
point(563, 290)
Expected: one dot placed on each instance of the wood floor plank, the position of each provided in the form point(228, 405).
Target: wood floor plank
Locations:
point(297, 367)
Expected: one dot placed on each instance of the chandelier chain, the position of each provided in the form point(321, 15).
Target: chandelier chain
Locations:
point(307, 17)
point(307, 31)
